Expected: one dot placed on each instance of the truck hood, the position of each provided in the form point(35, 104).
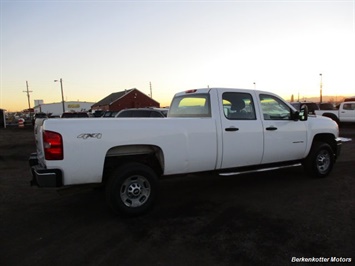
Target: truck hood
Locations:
point(323, 124)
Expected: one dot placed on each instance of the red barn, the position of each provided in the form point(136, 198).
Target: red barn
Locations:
point(132, 98)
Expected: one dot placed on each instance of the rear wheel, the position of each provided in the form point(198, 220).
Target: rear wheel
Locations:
point(320, 160)
point(131, 189)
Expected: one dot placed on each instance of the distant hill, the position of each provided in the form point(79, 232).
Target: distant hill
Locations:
point(325, 99)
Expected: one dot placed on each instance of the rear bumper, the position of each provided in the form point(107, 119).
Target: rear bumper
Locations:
point(43, 177)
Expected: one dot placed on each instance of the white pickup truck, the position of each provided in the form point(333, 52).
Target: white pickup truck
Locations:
point(229, 131)
point(345, 113)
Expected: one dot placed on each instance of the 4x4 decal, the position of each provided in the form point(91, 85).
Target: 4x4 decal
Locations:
point(90, 135)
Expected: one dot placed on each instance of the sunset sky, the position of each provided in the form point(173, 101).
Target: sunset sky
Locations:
point(100, 47)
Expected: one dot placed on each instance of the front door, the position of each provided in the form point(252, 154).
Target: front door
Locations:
point(284, 138)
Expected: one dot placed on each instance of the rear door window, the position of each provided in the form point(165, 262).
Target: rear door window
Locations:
point(238, 106)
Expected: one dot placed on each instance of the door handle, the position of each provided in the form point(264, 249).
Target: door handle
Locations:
point(272, 128)
point(231, 129)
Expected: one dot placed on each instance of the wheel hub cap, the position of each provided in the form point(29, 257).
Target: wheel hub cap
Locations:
point(323, 161)
point(135, 191)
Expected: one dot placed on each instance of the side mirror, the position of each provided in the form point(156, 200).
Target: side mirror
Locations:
point(295, 116)
point(303, 114)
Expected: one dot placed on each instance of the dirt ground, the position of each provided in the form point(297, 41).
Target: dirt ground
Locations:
point(269, 218)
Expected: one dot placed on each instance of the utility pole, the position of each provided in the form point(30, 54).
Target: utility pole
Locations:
point(151, 90)
point(28, 94)
point(321, 92)
point(61, 88)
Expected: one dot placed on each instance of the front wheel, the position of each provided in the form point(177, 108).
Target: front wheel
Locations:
point(131, 189)
point(320, 160)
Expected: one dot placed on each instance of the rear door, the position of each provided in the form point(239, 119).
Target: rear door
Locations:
point(242, 130)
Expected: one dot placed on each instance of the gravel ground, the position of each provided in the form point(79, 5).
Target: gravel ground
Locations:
point(272, 218)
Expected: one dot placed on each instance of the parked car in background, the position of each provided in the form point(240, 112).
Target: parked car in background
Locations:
point(143, 112)
point(311, 106)
point(350, 99)
point(345, 112)
point(97, 113)
point(110, 113)
point(326, 106)
point(38, 115)
point(74, 115)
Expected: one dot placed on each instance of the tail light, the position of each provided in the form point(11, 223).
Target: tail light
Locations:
point(53, 145)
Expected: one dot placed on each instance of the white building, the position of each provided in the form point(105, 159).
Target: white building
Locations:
point(56, 109)
point(38, 102)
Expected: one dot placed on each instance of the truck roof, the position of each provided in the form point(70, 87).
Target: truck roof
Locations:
point(207, 90)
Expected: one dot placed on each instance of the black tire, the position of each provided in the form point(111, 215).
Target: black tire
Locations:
point(320, 160)
point(131, 189)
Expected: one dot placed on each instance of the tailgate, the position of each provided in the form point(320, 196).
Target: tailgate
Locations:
point(38, 128)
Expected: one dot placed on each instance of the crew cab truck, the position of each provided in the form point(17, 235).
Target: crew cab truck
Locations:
point(345, 112)
point(229, 131)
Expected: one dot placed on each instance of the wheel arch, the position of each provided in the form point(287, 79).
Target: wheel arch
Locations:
point(149, 155)
point(332, 116)
point(326, 138)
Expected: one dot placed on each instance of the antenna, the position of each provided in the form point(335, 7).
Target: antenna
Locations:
point(28, 95)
